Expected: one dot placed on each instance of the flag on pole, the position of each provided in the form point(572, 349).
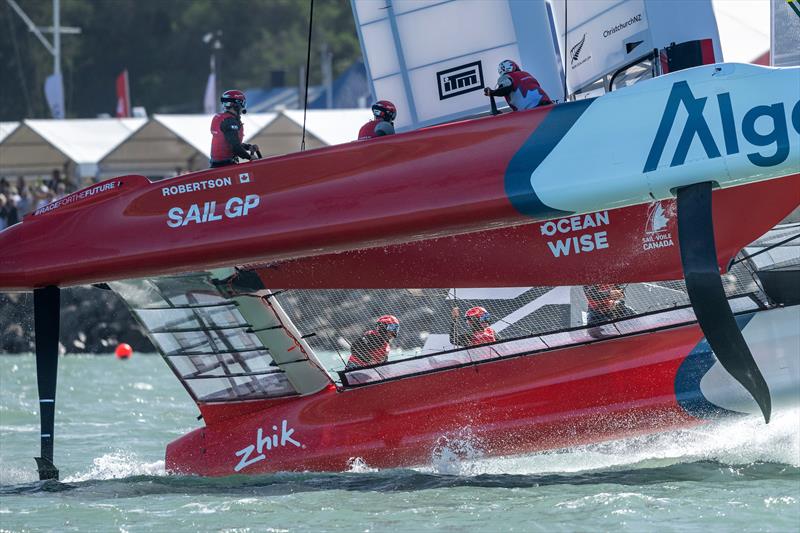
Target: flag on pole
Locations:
point(54, 94)
point(210, 98)
point(123, 95)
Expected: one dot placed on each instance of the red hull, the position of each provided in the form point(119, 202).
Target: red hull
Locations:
point(564, 397)
point(406, 188)
point(523, 256)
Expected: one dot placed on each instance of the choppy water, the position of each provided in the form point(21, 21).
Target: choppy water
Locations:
point(114, 419)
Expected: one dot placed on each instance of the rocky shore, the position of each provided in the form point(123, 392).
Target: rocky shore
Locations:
point(95, 320)
point(92, 321)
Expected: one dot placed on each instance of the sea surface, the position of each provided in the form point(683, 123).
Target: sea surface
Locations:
point(114, 419)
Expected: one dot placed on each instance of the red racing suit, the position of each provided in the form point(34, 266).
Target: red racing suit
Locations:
point(371, 348)
point(375, 128)
point(471, 338)
point(521, 90)
point(602, 305)
point(227, 133)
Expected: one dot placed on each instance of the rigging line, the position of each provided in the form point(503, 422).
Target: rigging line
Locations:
point(308, 70)
point(565, 53)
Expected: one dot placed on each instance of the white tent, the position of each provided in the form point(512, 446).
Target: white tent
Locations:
point(37, 147)
point(6, 128)
point(331, 126)
point(170, 144)
point(196, 129)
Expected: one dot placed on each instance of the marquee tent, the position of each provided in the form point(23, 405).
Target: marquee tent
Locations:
point(37, 147)
point(5, 130)
point(170, 144)
point(324, 127)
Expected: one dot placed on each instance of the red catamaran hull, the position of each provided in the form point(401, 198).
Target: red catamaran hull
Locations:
point(588, 393)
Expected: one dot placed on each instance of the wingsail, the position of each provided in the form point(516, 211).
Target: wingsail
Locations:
point(224, 341)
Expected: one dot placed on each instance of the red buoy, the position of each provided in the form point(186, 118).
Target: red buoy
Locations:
point(123, 351)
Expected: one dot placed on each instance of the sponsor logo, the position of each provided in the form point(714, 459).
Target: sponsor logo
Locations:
point(772, 133)
point(202, 185)
point(575, 54)
point(460, 80)
point(657, 232)
point(630, 22)
point(265, 441)
point(77, 196)
point(575, 51)
point(207, 212)
point(573, 241)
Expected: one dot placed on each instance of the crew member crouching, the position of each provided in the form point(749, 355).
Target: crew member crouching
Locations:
point(227, 132)
point(605, 302)
point(520, 89)
point(478, 329)
point(383, 122)
point(372, 348)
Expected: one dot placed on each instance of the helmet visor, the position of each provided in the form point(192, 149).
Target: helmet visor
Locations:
point(485, 317)
point(392, 328)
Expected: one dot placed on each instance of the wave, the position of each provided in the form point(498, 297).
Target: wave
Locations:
point(732, 450)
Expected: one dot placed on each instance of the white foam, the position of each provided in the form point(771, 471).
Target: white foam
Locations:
point(733, 442)
point(358, 465)
point(117, 465)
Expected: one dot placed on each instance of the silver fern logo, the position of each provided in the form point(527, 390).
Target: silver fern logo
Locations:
point(575, 51)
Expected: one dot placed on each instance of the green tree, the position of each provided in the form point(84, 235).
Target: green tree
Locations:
point(160, 43)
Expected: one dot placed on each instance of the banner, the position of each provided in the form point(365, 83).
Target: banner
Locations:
point(210, 98)
point(123, 95)
point(54, 94)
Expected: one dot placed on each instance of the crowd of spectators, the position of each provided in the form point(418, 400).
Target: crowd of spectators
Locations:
point(22, 196)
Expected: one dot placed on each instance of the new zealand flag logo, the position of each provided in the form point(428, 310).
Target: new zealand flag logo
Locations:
point(575, 51)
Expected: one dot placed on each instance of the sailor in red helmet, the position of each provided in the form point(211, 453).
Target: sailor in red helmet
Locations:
point(605, 303)
point(372, 348)
point(520, 89)
point(478, 329)
point(227, 132)
point(382, 124)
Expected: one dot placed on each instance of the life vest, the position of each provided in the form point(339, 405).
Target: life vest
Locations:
point(367, 131)
point(483, 336)
point(221, 150)
point(526, 93)
point(375, 128)
point(370, 349)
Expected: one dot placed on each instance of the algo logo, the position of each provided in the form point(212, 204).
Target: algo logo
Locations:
point(697, 126)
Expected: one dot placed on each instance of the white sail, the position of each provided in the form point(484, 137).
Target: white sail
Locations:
point(432, 58)
point(604, 35)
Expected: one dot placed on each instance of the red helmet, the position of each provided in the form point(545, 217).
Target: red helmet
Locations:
point(477, 314)
point(507, 66)
point(384, 109)
point(389, 323)
point(234, 98)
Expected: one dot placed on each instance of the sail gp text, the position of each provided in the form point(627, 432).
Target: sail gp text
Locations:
point(572, 243)
point(279, 438)
point(207, 212)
